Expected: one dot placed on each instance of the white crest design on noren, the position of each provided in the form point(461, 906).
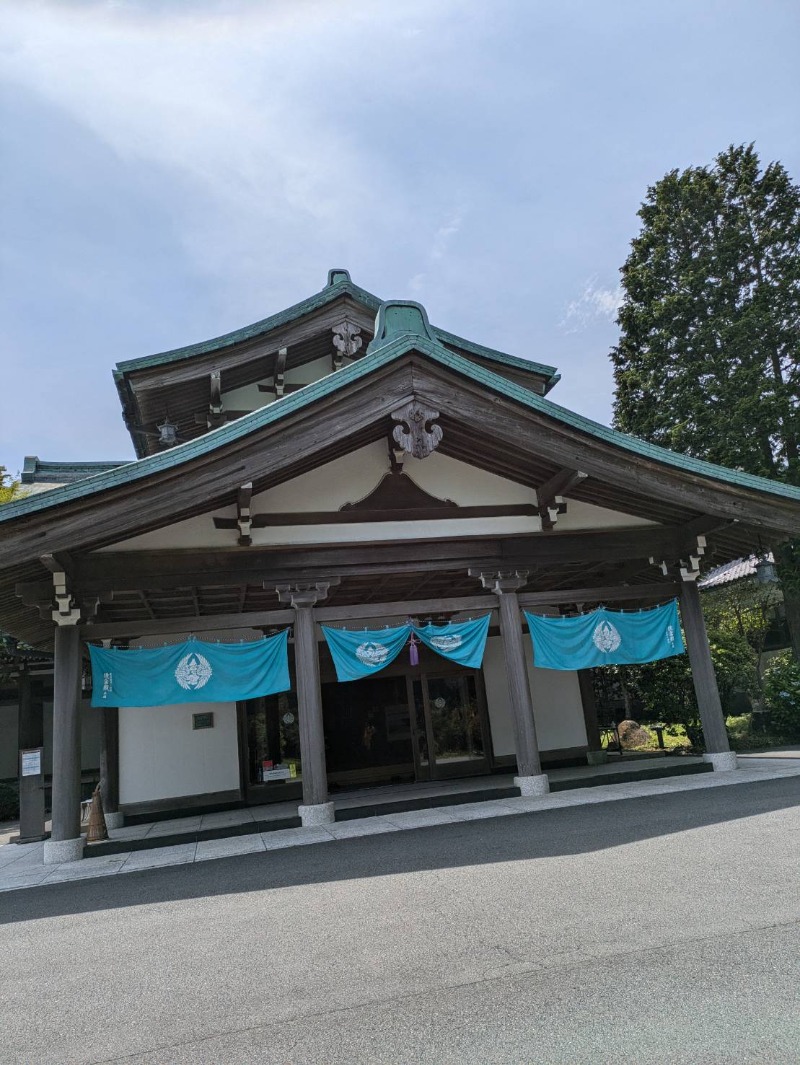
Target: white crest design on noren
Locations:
point(446, 643)
point(193, 672)
point(605, 637)
point(372, 654)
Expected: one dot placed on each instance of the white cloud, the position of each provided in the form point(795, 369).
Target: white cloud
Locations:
point(595, 303)
point(244, 109)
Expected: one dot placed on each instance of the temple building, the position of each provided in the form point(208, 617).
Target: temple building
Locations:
point(346, 463)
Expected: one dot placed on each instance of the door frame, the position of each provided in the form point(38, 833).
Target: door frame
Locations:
point(432, 770)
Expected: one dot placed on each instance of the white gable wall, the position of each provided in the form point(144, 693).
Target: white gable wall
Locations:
point(351, 478)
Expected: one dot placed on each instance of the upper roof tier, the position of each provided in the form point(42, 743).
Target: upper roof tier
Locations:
point(202, 386)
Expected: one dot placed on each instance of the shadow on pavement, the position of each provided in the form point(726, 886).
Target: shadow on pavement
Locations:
point(545, 833)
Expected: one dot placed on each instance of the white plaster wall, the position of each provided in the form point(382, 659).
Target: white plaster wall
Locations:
point(557, 706)
point(248, 397)
point(310, 371)
point(348, 480)
point(587, 516)
point(162, 757)
point(494, 679)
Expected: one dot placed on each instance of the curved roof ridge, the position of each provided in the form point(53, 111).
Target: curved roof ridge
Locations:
point(333, 291)
point(377, 358)
point(339, 283)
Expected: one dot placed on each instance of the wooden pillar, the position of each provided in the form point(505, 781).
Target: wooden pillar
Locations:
point(31, 714)
point(530, 779)
point(705, 682)
point(316, 808)
point(66, 843)
point(590, 720)
point(30, 733)
point(109, 765)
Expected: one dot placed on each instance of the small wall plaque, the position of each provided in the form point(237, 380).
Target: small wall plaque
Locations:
point(31, 763)
point(203, 720)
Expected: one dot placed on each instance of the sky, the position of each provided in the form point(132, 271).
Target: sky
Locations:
point(175, 169)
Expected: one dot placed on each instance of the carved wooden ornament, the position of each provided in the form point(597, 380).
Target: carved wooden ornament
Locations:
point(416, 432)
point(346, 338)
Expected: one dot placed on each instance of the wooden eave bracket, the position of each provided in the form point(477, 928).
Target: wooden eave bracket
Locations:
point(65, 613)
point(278, 386)
point(550, 496)
point(300, 595)
point(689, 567)
point(243, 515)
point(499, 581)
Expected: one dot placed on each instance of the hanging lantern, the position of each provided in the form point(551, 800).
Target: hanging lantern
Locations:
point(765, 571)
point(167, 433)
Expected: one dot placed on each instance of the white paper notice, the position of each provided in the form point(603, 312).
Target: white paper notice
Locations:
point(31, 763)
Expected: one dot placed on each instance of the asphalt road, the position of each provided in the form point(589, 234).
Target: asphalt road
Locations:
point(651, 930)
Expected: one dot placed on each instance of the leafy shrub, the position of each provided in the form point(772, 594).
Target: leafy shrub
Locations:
point(782, 695)
point(9, 802)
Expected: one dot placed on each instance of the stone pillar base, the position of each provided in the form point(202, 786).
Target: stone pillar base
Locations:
point(57, 851)
point(538, 785)
point(321, 813)
point(115, 820)
point(722, 761)
point(596, 757)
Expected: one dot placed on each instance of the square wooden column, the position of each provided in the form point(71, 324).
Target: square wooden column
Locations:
point(718, 749)
point(31, 738)
point(109, 765)
point(530, 779)
point(66, 842)
point(316, 808)
point(595, 755)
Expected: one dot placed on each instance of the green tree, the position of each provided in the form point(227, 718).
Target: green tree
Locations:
point(9, 488)
point(708, 361)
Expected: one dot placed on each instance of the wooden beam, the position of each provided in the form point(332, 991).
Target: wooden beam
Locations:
point(354, 516)
point(164, 569)
point(256, 619)
point(409, 608)
point(267, 618)
point(599, 595)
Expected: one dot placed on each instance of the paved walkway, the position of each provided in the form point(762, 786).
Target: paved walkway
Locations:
point(22, 866)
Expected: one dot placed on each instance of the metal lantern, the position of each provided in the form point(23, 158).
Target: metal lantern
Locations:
point(765, 571)
point(167, 433)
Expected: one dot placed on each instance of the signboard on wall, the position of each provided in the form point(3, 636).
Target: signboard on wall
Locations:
point(31, 763)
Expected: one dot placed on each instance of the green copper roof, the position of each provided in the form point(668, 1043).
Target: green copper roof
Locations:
point(39, 471)
point(378, 357)
point(339, 284)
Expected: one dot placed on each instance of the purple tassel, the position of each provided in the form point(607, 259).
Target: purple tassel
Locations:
point(413, 653)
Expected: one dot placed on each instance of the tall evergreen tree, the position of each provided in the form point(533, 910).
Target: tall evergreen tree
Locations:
point(708, 361)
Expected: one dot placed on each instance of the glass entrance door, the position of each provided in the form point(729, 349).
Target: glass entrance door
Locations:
point(451, 731)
